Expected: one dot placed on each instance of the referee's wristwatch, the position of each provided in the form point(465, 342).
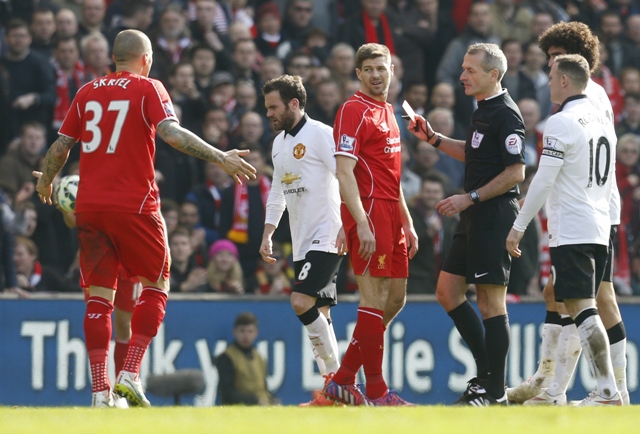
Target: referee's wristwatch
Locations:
point(475, 198)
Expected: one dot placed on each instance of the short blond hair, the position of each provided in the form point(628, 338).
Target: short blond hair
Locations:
point(130, 44)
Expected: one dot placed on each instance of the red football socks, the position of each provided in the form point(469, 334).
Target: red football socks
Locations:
point(371, 337)
point(351, 362)
point(145, 322)
point(97, 332)
point(120, 354)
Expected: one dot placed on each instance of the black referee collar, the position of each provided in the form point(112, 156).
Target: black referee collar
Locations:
point(298, 126)
point(571, 98)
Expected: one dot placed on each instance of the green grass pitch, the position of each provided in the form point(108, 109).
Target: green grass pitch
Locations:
point(281, 420)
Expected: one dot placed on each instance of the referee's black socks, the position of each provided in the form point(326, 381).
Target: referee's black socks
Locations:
point(470, 328)
point(496, 332)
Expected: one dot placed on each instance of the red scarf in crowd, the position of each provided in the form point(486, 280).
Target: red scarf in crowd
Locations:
point(371, 33)
point(36, 275)
point(176, 54)
point(63, 100)
point(239, 232)
point(217, 199)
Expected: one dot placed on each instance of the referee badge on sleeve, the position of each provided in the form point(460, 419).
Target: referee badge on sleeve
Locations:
point(513, 143)
point(476, 139)
point(346, 143)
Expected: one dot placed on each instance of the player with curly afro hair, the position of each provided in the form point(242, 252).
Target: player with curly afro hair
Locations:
point(549, 383)
point(573, 38)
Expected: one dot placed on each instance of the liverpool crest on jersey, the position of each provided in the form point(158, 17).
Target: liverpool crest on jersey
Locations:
point(299, 150)
point(476, 139)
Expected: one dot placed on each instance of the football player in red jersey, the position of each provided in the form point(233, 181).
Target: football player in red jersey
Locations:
point(116, 118)
point(376, 222)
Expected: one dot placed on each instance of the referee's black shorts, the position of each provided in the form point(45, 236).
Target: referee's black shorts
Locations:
point(577, 270)
point(478, 250)
point(316, 277)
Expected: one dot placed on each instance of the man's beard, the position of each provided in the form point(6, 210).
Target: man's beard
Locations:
point(286, 121)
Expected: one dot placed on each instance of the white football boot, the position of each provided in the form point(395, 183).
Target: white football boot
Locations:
point(129, 386)
point(545, 399)
point(108, 399)
point(595, 400)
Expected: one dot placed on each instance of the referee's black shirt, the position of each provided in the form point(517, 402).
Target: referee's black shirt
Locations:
point(495, 140)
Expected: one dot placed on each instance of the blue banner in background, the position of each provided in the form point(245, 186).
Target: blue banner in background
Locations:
point(43, 359)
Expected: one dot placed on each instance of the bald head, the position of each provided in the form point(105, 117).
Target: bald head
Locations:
point(130, 45)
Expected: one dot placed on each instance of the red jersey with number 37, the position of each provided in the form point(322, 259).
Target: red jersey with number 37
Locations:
point(115, 118)
point(366, 129)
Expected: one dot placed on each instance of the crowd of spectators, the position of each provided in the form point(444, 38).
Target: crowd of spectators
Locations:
point(214, 57)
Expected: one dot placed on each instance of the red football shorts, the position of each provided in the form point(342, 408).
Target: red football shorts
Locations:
point(390, 258)
point(137, 241)
point(127, 291)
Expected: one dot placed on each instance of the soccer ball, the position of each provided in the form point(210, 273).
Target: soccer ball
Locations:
point(66, 191)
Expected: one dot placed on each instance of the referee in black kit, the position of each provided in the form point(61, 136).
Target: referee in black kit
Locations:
point(494, 165)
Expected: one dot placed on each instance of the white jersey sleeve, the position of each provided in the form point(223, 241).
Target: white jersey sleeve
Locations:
point(276, 203)
point(557, 140)
point(538, 192)
point(327, 152)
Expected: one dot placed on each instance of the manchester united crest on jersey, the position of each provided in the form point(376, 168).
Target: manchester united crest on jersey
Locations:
point(299, 150)
point(476, 139)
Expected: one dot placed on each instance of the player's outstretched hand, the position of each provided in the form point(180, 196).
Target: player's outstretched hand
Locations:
point(421, 128)
point(235, 165)
point(367, 242)
point(44, 190)
point(341, 242)
point(266, 250)
point(513, 242)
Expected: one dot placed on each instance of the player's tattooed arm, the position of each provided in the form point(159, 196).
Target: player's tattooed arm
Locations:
point(56, 158)
point(187, 142)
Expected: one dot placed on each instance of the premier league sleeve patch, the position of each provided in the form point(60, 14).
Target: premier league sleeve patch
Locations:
point(346, 143)
point(513, 143)
point(551, 148)
point(168, 109)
